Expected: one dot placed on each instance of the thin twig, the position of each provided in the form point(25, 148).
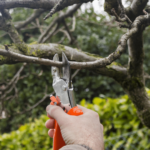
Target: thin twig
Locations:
point(14, 78)
point(117, 17)
point(73, 24)
point(54, 9)
point(48, 37)
point(75, 73)
point(69, 33)
point(35, 105)
point(57, 20)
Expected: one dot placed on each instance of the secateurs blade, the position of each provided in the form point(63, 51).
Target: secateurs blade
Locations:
point(62, 81)
point(63, 88)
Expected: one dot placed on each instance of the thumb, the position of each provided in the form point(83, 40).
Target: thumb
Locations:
point(83, 109)
point(57, 113)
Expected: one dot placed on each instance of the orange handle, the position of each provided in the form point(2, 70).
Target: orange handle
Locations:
point(58, 141)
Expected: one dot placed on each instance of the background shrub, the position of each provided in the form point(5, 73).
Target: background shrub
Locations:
point(122, 128)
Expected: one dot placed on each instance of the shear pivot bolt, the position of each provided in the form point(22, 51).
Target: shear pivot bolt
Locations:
point(64, 87)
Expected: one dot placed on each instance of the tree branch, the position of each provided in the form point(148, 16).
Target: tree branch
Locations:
point(69, 13)
point(69, 33)
point(136, 55)
point(36, 4)
point(36, 14)
point(140, 21)
point(124, 17)
point(7, 25)
point(137, 7)
point(14, 78)
point(73, 23)
point(50, 34)
point(54, 9)
point(135, 89)
point(113, 71)
point(133, 83)
point(109, 4)
point(49, 50)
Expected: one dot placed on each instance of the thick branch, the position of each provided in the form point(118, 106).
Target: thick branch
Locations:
point(136, 91)
point(110, 4)
point(114, 71)
point(137, 7)
point(136, 55)
point(140, 21)
point(36, 4)
point(134, 83)
point(48, 50)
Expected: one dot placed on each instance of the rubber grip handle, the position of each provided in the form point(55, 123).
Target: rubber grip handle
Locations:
point(58, 141)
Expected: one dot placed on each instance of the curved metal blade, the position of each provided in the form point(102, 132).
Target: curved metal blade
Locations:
point(66, 70)
point(55, 70)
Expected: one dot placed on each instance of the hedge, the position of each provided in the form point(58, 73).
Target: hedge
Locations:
point(122, 128)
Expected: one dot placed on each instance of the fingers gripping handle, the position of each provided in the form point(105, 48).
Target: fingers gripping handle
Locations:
point(58, 141)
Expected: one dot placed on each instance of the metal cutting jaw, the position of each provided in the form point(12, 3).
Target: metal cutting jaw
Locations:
point(62, 81)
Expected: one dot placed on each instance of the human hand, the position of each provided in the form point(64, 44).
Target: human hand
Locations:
point(85, 129)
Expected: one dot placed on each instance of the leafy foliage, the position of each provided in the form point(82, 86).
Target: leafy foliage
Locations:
point(122, 128)
point(92, 35)
point(29, 136)
point(89, 37)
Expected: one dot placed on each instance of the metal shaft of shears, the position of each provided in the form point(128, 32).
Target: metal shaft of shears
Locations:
point(67, 77)
point(62, 84)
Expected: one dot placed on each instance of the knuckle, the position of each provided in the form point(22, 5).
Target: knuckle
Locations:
point(96, 115)
point(93, 114)
point(53, 110)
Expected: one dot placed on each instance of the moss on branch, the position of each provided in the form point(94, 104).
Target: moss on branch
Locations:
point(132, 83)
point(48, 51)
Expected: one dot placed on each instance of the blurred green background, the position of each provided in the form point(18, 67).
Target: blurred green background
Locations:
point(93, 33)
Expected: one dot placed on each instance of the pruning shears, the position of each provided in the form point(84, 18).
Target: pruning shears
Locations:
point(63, 88)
